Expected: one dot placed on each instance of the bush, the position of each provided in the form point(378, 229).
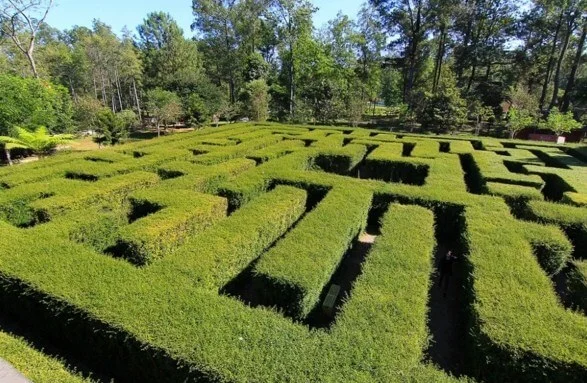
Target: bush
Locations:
point(29, 103)
point(113, 128)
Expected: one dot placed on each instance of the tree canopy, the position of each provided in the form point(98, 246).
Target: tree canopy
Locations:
point(439, 64)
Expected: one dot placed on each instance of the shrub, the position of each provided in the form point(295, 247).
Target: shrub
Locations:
point(29, 103)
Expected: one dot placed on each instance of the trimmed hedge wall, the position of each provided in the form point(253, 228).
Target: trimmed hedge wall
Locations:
point(577, 285)
point(33, 364)
point(319, 242)
point(170, 321)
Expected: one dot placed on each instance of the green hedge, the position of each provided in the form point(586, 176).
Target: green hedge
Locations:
point(170, 321)
point(33, 364)
point(577, 285)
point(241, 239)
point(319, 243)
point(340, 160)
point(572, 219)
point(179, 215)
point(279, 150)
point(521, 332)
point(550, 245)
point(385, 318)
point(492, 168)
point(241, 150)
point(73, 194)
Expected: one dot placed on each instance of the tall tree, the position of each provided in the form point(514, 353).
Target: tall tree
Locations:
point(294, 21)
point(576, 62)
point(407, 22)
point(170, 60)
point(572, 12)
point(21, 21)
point(369, 42)
point(217, 24)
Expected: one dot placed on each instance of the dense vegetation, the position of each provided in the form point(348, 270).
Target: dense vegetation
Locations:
point(207, 256)
point(255, 252)
point(436, 64)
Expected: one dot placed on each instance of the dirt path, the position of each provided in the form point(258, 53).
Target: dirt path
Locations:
point(348, 271)
point(8, 374)
point(446, 320)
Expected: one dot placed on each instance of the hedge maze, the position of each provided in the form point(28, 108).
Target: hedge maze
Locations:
point(239, 254)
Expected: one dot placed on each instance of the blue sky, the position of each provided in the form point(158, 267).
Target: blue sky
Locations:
point(118, 13)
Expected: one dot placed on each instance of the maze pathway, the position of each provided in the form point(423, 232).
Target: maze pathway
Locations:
point(253, 253)
point(8, 374)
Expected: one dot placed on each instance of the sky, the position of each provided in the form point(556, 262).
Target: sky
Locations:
point(130, 13)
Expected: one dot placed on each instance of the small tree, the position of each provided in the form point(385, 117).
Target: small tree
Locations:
point(40, 142)
point(255, 98)
point(113, 128)
point(445, 110)
point(481, 113)
point(518, 119)
point(86, 112)
point(163, 106)
point(561, 123)
point(355, 105)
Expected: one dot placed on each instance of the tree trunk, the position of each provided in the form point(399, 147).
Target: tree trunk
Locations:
point(158, 129)
point(103, 89)
point(414, 53)
point(550, 61)
point(95, 87)
point(291, 81)
point(571, 82)
point(117, 79)
point(73, 94)
point(8, 156)
point(561, 57)
point(438, 62)
point(134, 86)
point(473, 71)
point(475, 43)
point(30, 57)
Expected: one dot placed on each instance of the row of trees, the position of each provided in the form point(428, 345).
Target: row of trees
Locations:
point(437, 63)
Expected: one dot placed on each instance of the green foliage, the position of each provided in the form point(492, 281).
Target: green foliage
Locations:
point(29, 103)
point(164, 106)
point(255, 98)
point(171, 61)
point(35, 365)
point(561, 123)
point(518, 119)
point(113, 128)
point(577, 284)
point(391, 87)
point(256, 68)
point(481, 113)
point(40, 141)
point(86, 112)
point(444, 110)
